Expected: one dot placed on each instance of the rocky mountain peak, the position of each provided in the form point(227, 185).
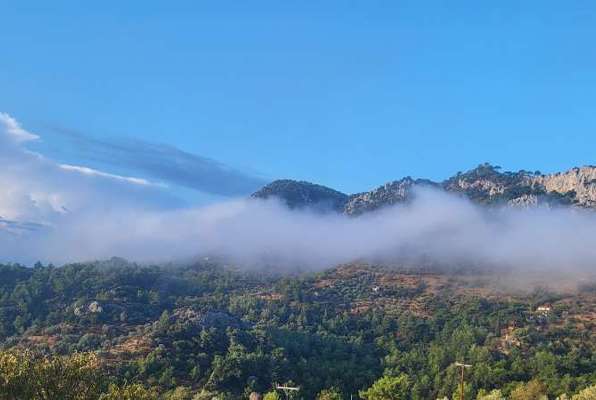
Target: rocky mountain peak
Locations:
point(487, 184)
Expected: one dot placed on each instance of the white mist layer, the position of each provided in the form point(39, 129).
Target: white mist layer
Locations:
point(438, 227)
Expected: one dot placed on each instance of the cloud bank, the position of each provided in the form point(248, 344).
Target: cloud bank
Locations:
point(60, 214)
point(437, 228)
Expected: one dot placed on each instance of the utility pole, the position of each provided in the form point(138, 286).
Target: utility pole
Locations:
point(287, 390)
point(463, 367)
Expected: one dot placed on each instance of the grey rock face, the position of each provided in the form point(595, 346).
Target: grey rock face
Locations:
point(524, 201)
point(486, 184)
point(391, 193)
point(577, 183)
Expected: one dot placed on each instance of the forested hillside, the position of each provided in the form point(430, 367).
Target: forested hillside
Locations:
point(208, 331)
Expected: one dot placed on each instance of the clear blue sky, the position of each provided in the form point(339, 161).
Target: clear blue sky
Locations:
point(349, 94)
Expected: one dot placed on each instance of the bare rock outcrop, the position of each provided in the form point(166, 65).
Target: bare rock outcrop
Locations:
point(580, 183)
point(389, 194)
point(524, 201)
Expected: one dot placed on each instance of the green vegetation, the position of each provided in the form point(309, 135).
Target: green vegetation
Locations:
point(388, 388)
point(24, 375)
point(108, 330)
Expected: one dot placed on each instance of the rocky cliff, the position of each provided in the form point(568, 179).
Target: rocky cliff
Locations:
point(390, 193)
point(578, 184)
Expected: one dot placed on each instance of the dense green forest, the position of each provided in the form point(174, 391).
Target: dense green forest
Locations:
point(204, 331)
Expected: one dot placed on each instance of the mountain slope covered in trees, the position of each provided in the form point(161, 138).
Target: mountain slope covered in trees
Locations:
point(207, 330)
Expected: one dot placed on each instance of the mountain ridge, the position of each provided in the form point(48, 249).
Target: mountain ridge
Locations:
point(485, 185)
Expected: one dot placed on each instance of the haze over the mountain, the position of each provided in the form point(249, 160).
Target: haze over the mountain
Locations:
point(58, 212)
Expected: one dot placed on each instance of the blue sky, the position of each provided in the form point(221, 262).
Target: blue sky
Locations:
point(348, 94)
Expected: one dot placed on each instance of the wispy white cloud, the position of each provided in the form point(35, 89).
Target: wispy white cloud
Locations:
point(93, 172)
point(37, 189)
point(13, 130)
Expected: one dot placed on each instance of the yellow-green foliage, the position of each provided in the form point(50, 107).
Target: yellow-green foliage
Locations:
point(493, 395)
point(533, 390)
point(180, 393)
point(329, 394)
point(129, 392)
point(205, 395)
point(26, 376)
point(272, 396)
point(588, 393)
point(388, 388)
